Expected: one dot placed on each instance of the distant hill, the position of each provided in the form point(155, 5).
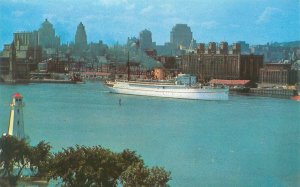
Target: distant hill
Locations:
point(287, 44)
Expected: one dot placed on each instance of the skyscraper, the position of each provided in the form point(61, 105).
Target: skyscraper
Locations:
point(46, 36)
point(181, 35)
point(12, 60)
point(80, 39)
point(26, 38)
point(26, 46)
point(145, 39)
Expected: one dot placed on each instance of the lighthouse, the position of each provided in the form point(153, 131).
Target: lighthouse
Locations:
point(16, 122)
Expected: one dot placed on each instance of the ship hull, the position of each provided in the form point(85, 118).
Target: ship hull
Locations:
point(170, 91)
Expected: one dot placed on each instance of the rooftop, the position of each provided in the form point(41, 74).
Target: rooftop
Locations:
point(17, 95)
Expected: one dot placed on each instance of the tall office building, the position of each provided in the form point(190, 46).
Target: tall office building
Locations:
point(245, 48)
point(145, 39)
point(80, 38)
point(181, 35)
point(26, 45)
point(26, 38)
point(46, 36)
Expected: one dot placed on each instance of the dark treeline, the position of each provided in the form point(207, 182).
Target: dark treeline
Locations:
point(76, 166)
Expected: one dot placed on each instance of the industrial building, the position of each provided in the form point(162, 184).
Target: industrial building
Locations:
point(217, 62)
point(278, 74)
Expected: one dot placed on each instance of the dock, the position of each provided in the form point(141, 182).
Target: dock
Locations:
point(52, 81)
point(273, 92)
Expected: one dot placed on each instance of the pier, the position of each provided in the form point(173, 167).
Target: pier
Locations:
point(95, 75)
point(273, 92)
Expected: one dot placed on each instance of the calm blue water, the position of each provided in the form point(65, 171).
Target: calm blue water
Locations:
point(246, 141)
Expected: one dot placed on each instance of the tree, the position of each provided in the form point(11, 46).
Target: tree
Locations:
point(14, 157)
point(85, 166)
point(135, 176)
point(96, 166)
point(158, 177)
point(77, 166)
point(128, 158)
point(138, 175)
point(40, 159)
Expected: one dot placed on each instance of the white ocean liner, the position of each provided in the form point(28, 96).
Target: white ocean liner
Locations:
point(183, 87)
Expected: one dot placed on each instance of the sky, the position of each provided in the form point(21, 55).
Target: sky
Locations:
point(113, 21)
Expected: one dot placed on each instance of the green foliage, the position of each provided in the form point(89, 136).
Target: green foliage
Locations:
point(16, 155)
point(95, 166)
point(135, 176)
point(86, 166)
point(40, 159)
point(158, 177)
point(77, 166)
point(128, 158)
point(138, 175)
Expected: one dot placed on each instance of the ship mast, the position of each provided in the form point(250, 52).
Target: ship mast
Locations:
point(128, 67)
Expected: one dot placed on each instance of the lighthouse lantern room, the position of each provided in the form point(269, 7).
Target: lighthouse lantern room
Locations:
point(16, 122)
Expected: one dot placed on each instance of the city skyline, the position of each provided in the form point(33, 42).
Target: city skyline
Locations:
point(112, 21)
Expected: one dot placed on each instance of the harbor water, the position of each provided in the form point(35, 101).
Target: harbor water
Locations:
point(245, 141)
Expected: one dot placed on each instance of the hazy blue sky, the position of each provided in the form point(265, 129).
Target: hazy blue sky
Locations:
point(254, 21)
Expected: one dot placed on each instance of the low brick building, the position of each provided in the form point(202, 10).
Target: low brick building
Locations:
point(169, 62)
